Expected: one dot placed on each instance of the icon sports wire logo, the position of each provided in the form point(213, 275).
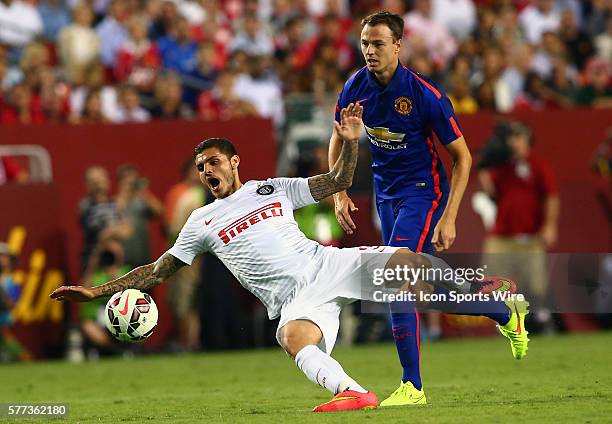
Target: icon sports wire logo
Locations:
point(271, 210)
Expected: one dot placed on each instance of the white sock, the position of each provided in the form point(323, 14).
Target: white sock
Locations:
point(325, 371)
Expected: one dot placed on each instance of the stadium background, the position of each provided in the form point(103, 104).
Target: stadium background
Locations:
point(198, 72)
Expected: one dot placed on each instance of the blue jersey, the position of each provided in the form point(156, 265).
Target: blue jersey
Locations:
point(400, 119)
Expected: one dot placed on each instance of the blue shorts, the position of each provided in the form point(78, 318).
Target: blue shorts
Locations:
point(410, 221)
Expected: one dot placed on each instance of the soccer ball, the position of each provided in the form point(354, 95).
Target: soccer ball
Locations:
point(131, 315)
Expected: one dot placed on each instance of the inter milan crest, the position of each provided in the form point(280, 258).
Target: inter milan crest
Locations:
point(264, 190)
point(403, 105)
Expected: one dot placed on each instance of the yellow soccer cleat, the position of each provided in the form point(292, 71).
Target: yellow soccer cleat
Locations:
point(515, 329)
point(405, 394)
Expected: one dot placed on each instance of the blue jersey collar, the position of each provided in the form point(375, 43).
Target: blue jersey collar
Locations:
point(395, 79)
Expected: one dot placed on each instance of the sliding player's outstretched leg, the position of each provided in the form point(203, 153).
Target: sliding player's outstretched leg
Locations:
point(508, 311)
point(300, 339)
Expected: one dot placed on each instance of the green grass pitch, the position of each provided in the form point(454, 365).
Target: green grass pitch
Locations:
point(563, 379)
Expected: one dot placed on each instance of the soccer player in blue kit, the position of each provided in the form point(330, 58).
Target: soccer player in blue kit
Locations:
point(417, 208)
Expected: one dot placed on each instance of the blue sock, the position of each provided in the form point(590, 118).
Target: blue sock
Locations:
point(495, 309)
point(406, 333)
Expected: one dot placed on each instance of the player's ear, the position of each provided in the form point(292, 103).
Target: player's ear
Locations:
point(398, 46)
point(235, 161)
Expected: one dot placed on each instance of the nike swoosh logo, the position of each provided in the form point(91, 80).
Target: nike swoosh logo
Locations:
point(398, 238)
point(124, 311)
point(361, 101)
point(518, 323)
point(209, 221)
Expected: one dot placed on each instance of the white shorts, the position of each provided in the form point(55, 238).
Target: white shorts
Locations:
point(340, 281)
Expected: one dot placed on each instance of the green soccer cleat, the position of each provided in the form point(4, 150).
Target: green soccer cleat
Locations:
point(405, 394)
point(515, 329)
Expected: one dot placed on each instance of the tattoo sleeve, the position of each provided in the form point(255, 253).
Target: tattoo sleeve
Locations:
point(143, 277)
point(340, 177)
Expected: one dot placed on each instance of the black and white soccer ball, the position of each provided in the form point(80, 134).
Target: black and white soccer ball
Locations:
point(131, 316)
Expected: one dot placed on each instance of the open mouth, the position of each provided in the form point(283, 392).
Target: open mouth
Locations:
point(213, 183)
point(372, 62)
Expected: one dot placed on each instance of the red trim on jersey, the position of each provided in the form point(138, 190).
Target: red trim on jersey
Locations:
point(428, 85)
point(435, 203)
point(455, 127)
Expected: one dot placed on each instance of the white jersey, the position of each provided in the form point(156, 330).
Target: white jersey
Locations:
point(253, 232)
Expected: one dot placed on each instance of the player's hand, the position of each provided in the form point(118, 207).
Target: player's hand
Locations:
point(548, 235)
point(350, 124)
point(444, 234)
point(73, 293)
point(343, 206)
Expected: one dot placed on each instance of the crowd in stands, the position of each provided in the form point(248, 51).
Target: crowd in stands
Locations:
point(82, 61)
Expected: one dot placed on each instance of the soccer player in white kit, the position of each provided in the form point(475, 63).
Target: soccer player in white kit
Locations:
point(251, 229)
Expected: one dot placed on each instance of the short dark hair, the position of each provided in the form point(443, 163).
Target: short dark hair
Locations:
point(224, 145)
point(392, 20)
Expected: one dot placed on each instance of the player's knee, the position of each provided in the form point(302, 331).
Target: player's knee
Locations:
point(295, 335)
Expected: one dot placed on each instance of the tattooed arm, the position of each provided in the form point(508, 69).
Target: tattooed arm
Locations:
point(340, 177)
point(141, 278)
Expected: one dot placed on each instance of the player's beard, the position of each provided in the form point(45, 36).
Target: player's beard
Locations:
point(229, 189)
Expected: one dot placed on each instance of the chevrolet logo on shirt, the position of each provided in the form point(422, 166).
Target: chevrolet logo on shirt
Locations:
point(382, 137)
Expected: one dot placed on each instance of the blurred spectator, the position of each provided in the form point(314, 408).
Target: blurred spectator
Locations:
point(168, 95)
point(54, 97)
point(525, 190)
point(92, 110)
point(222, 103)
point(162, 13)
point(551, 48)
point(21, 107)
point(290, 41)
point(562, 84)
point(539, 17)
point(485, 96)
point(484, 34)
point(578, 44)
point(515, 74)
point(203, 77)
point(10, 348)
point(460, 97)
point(94, 81)
point(182, 199)
point(438, 41)
point(55, 16)
point(492, 67)
point(98, 215)
point(597, 92)
point(330, 39)
point(138, 59)
point(177, 49)
point(458, 16)
point(20, 23)
point(599, 14)
point(138, 205)
point(262, 90)
point(252, 39)
point(603, 42)
point(535, 96)
point(112, 32)
point(130, 109)
point(79, 45)
point(11, 171)
point(106, 264)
